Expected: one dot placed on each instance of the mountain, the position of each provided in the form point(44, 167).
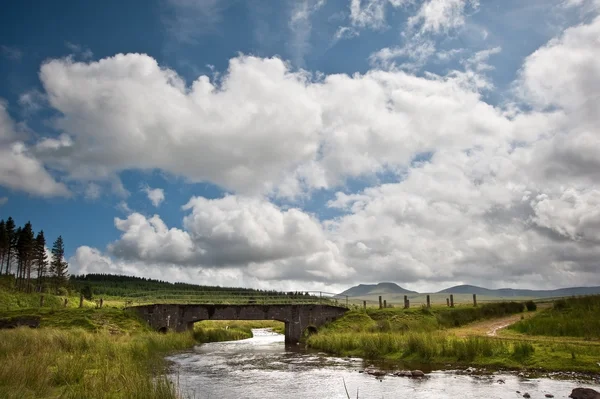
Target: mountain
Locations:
point(511, 292)
point(376, 289)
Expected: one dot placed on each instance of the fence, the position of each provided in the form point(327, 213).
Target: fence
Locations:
point(233, 297)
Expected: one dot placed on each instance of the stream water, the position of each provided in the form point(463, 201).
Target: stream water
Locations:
point(262, 367)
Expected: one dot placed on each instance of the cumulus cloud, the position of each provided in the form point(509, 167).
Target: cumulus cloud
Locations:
point(475, 193)
point(155, 195)
point(20, 169)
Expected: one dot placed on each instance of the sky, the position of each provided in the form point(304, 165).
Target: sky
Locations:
point(308, 144)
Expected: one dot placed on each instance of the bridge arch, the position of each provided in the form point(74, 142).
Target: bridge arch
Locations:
point(297, 318)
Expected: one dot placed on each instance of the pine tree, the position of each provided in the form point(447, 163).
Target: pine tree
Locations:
point(58, 266)
point(13, 250)
point(25, 255)
point(9, 228)
point(3, 243)
point(40, 259)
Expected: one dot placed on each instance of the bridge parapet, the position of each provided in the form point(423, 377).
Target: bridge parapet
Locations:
point(297, 318)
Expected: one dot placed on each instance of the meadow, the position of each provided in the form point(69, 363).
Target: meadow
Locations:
point(569, 317)
point(427, 336)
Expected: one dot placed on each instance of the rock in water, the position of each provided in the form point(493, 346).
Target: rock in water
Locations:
point(417, 373)
point(549, 395)
point(584, 393)
point(526, 395)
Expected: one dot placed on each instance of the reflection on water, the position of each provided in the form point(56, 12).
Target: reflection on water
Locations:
point(262, 367)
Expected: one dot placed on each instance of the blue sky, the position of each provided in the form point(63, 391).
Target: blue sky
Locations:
point(329, 142)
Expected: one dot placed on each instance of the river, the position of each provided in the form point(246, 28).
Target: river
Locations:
point(262, 367)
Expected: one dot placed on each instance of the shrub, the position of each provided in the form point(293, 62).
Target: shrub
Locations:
point(531, 306)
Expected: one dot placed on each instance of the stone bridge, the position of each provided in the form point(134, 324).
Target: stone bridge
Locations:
point(297, 318)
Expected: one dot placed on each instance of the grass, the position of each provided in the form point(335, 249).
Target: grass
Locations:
point(75, 363)
point(217, 331)
point(426, 335)
point(94, 353)
point(572, 317)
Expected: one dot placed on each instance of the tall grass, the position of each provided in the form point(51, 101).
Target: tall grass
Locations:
point(573, 317)
point(422, 347)
point(45, 363)
point(461, 316)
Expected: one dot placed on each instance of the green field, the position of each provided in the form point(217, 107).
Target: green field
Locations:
point(420, 335)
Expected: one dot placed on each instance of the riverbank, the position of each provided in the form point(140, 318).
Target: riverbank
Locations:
point(95, 353)
point(427, 337)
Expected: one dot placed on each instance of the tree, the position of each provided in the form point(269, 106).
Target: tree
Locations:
point(25, 255)
point(14, 240)
point(3, 243)
point(58, 266)
point(87, 292)
point(9, 231)
point(40, 259)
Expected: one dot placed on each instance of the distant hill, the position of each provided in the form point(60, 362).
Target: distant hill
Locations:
point(376, 289)
point(510, 292)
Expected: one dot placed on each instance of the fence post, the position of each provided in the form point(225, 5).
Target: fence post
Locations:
point(80, 301)
point(475, 300)
point(41, 301)
point(385, 303)
point(66, 301)
point(101, 302)
point(405, 300)
point(380, 302)
point(407, 303)
point(428, 301)
point(451, 300)
point(447, 302)
point(365, 305)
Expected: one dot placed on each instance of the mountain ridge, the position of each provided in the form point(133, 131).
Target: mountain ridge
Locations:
point(393, 288)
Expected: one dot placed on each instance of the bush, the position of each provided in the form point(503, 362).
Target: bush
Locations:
point(531, 306)
point(62, 291)
point(87, 292)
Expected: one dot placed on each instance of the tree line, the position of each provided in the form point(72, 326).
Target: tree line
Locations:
point(23, 255)
point(120, 285)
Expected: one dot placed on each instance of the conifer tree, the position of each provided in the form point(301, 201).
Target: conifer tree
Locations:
point(25, 254)
point(9, 228)
point(40, 259)
point(3, 243)
point(13, 249)
point(58, 266)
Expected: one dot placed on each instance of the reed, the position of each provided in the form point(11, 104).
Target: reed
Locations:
point(74, 363)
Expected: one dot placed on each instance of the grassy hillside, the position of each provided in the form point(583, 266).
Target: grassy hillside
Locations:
point(420, 336)
point(571, 317)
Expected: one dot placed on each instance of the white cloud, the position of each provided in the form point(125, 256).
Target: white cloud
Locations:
point(263, 241)
point(19, 169)
point(83, 52)
point(417, 51)
point(93, 191)
point(505, 195)
point(437, 16)
point(155, 195)
point(301, 27)
point(190, 19)
point(372, 13)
